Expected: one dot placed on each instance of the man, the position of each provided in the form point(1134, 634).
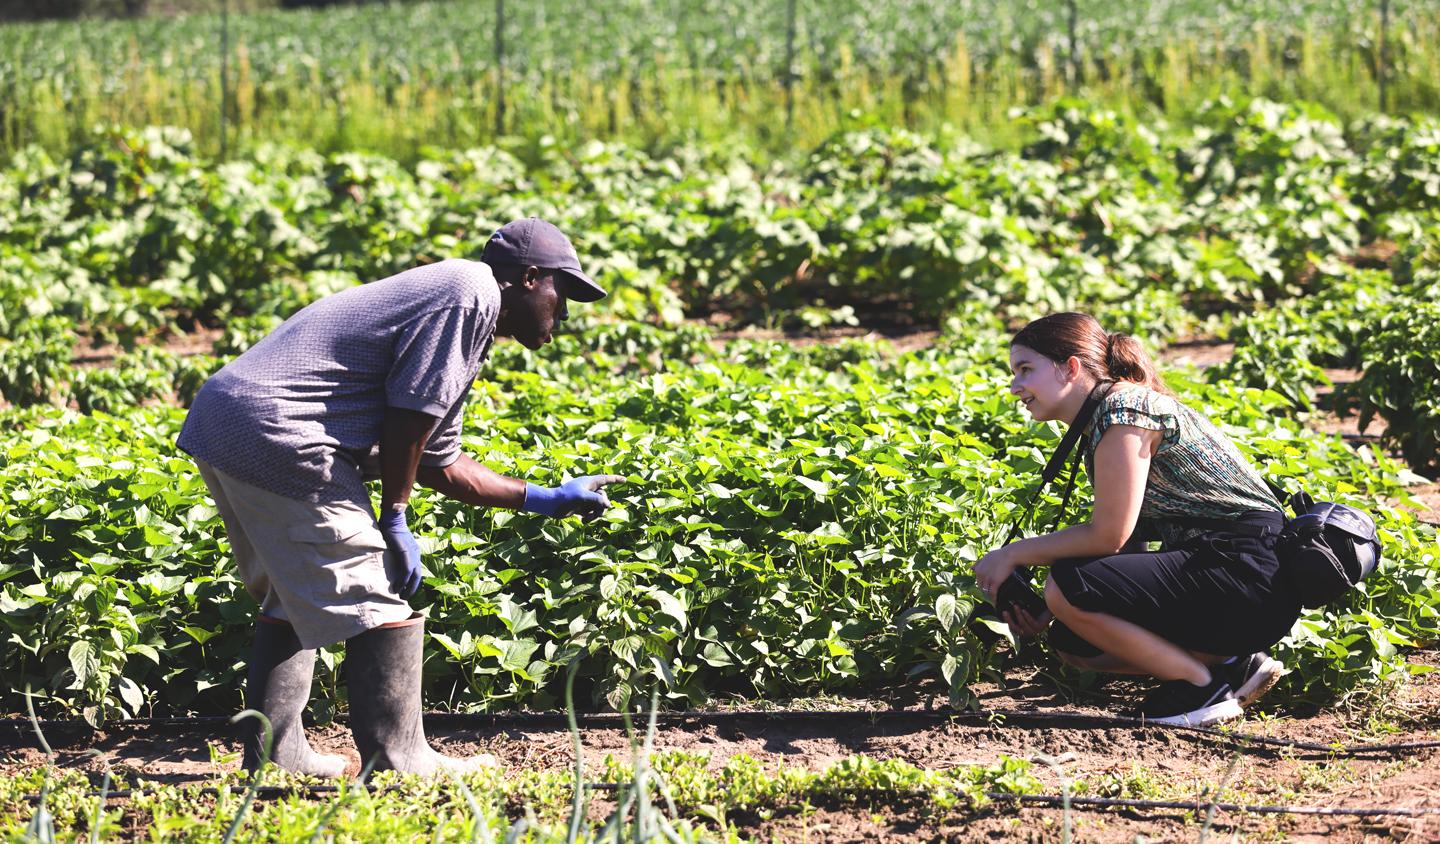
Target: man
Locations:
point(371, 380)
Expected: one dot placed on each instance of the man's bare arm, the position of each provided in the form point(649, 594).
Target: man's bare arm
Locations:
point(467, 481)
point(403, 434)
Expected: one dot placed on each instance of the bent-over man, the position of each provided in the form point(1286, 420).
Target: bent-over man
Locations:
point(369, 381)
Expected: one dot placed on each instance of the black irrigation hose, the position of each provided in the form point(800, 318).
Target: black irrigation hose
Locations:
point(1226, 735)
point(19, 732)
point(277, 792)
point(1200, 806)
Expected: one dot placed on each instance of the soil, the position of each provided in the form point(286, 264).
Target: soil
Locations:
point(198, 341)
point(1199, 352)
point(902, 338)
point(1124, 761)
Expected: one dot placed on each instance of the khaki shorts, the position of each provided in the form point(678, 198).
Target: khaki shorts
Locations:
point(320, 567)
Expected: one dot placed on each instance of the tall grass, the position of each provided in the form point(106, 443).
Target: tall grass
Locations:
point(397, 78)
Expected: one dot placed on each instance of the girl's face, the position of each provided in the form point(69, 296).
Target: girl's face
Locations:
point(1041, 384)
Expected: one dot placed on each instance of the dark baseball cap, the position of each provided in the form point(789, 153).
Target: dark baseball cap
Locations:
point(532, 242)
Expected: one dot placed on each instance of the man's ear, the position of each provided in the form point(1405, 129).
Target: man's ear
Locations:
point(531, 277)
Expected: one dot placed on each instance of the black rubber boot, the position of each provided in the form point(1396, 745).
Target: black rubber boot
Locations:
point(382, 671)
point(279, 686)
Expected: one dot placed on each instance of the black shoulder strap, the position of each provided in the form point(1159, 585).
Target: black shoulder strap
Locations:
point(1062, 451)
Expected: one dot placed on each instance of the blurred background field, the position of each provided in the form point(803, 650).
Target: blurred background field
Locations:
point(779, 76)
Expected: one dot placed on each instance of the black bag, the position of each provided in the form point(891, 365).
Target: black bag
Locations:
point(1326, 549)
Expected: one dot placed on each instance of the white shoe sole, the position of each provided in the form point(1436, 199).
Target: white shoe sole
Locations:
point(1225, 710)
point(1262, 681)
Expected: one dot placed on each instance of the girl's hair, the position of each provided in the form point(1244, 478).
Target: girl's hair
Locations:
point(1106, 356)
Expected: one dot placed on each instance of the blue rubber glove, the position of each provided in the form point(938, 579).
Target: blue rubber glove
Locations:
point(581, 495)
point(404, 552)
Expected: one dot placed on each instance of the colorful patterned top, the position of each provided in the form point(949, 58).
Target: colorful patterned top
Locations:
point(1196, 472)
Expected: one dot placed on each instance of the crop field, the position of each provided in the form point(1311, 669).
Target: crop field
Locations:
point(801, 372)
point(400, 77)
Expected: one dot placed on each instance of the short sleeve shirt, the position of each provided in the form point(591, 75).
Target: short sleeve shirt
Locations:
point(316, 389)
point(1197, 472)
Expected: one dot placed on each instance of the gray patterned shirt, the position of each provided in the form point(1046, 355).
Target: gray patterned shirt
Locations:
point(1197, 472)
point(314, 391)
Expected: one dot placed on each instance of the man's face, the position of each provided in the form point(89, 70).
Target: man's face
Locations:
point(531, 308)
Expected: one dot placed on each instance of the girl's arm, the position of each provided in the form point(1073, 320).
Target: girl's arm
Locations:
point(1122, 465)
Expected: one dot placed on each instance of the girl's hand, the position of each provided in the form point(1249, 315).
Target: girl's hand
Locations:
point(1023, 624)
point(992, 569)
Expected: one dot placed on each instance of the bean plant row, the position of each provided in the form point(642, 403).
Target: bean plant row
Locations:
point(794, 521)
point(138, 233)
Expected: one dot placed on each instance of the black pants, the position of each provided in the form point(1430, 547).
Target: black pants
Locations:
point(1220, 593)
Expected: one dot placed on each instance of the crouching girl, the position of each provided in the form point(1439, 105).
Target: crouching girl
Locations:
point(1199, 613)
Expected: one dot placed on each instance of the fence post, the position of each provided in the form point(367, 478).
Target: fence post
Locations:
point(499, 68)
point(789, 64)
point(224, 71)
point(1383, 65)
point(1072, 56)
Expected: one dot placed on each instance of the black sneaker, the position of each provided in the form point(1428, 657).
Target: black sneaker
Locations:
point(1182, 703)
point(1252, 676)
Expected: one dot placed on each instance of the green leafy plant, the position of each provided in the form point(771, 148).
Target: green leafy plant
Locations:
point(1400, 380)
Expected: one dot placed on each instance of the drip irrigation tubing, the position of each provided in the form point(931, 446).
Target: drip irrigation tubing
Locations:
point(1050, 800)
point(18, 732)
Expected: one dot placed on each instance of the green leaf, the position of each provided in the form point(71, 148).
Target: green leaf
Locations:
point(516, 618)
point(200, 634)
point(84, 662)
point(672, 606)
point(948, 666)
point(820, 488)
point(131, 694)
point(716, 656)
point(516, 656)
point(448, 643)
point(945, 611)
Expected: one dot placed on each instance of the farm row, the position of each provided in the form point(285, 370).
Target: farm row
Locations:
point(1332, 232)
point(400, 77)
point(794, 521)
point(137, 233)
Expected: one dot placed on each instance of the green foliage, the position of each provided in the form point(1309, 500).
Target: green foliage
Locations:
point(243, 332)
point(1400, 380)
point(1287, 348)
point(1400, 168)
point(1279, 350)
point(138, 234)
point(703, 804)
point(795, 521)
point(135, 378)
point(35, 364)
point(111, 561)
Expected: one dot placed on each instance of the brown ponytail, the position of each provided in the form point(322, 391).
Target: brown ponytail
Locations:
point(1106, 356)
